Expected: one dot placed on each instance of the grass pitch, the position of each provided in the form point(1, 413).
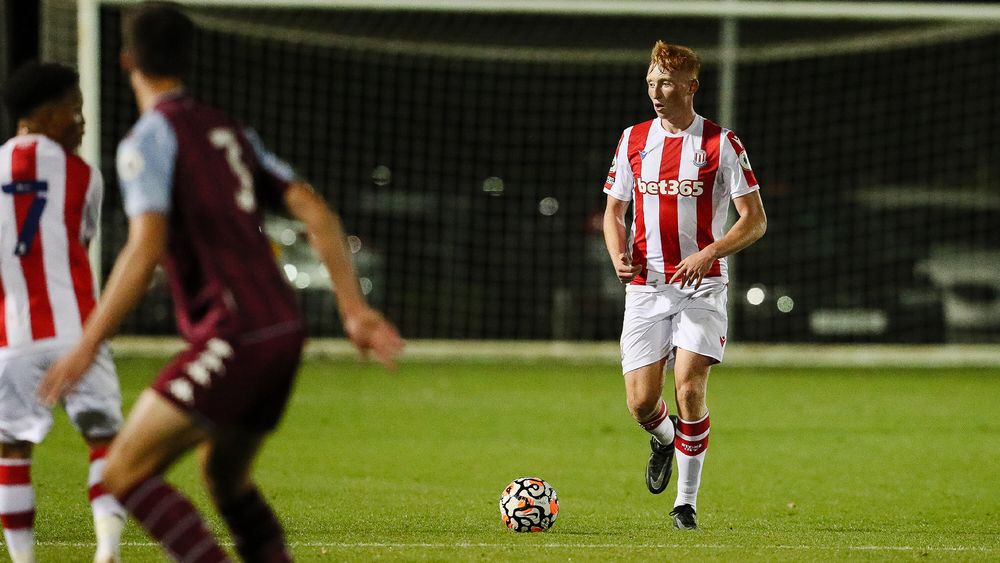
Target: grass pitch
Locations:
point(811, 464)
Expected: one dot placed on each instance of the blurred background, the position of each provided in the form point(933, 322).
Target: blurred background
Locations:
point(466, 150)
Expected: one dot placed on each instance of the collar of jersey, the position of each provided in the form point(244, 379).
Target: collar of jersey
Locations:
point(689, 131)
point(169, 95)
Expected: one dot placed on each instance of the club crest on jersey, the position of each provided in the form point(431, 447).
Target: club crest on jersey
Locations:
point(700, 158)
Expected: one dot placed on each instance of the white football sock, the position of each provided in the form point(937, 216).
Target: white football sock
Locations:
point(660, 426)
point(690, 446)
point(17, 509)
point(109, 516)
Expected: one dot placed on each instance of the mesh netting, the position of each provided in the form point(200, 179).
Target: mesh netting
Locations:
point(466, 155)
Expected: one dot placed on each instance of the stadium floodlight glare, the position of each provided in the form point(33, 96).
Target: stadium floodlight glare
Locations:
point(785, 304)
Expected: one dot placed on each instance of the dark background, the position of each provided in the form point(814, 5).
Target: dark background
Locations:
point(836, 140)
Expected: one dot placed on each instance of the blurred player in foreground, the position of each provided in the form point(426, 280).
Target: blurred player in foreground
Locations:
point(49, 211)
point(680, 171)
point(193, 182)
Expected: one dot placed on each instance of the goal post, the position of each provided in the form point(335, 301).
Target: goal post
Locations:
point(742, 9)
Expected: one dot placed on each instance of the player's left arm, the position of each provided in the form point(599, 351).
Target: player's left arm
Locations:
point(92, 206)
point(133, 269)
point(748, 229)
point(367, 329)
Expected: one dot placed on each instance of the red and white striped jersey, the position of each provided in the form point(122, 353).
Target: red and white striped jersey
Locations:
point(681, 186)
point(49, 210)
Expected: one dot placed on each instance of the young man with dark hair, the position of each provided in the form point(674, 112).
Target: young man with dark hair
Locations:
point(192, 181)
point(680, 171)
point(49, 211)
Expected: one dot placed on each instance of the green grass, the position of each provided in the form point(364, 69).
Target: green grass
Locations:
point(803, 465)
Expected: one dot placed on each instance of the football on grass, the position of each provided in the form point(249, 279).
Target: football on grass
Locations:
point(529, 504)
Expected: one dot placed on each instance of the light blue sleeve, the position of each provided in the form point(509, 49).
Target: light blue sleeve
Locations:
point(267, 159)
point(145, 163)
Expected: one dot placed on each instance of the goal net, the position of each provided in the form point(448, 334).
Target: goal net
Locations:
point(466, 150)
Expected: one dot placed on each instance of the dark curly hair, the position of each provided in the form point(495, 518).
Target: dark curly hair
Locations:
point(35, 84)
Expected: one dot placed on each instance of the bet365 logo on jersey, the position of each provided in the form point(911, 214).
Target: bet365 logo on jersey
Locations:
point(687, 188)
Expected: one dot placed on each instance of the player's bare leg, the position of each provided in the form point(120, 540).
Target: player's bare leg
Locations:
point(16, 450)
point(155, 435)
point(690, 385)
point(17, 501)
point(644, 396)
point(644, 390)
point(226, 463)
point(109, 515)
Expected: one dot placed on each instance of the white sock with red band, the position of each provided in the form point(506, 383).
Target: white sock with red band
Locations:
point(690, 445)
point(17, 509)
point(109, 516)
point(660, 425)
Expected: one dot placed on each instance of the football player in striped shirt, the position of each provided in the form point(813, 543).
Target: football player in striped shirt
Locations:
point(49, 210)
point(679, 172)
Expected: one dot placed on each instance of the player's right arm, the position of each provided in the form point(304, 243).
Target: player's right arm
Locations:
point(616, 241)
point(147, 241)
point(145, 163)
point(367, 329)
point(129, 279)
point(618, 188)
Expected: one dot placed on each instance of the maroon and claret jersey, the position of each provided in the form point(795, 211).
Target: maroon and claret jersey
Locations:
point(198, 166)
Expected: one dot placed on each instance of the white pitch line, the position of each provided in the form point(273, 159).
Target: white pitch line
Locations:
point(390, 545)
point(650, 546)
point(746, 354)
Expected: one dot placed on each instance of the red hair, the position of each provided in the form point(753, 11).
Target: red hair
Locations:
point(675, 58)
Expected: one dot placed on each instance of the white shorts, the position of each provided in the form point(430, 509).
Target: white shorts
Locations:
point(94, 406)
point(661, 320)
